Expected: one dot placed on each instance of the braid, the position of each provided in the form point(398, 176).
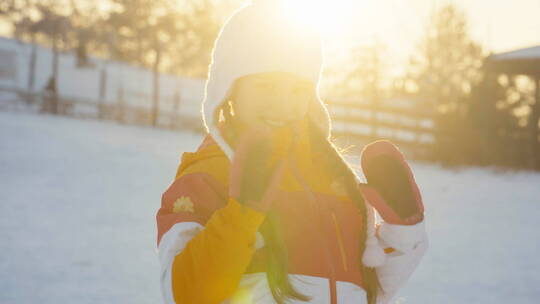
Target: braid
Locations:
point(339, 168)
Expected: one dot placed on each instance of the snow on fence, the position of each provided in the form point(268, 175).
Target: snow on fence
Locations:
point(122, 92)
point(103, 89)
point(362, 122)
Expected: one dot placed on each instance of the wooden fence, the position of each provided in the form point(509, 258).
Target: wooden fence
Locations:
point(355, 124)
point(119, 111)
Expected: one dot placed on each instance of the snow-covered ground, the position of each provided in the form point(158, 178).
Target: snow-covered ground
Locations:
point(78, 200)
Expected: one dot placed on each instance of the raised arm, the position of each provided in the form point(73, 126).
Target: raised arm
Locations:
point(207, 237)
point(210, 267)
point(392, 190)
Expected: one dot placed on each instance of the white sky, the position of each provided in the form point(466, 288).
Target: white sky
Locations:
point(500, 25)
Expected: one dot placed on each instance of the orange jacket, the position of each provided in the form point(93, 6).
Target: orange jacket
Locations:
point(220, 235)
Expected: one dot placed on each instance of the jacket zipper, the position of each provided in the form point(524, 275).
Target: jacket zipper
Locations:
point(340, 242)
point(331, 280)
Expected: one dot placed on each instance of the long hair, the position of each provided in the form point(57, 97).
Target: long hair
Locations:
point(338, 168)
point(277, 261)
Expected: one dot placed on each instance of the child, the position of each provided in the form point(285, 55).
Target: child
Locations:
point(266, 210)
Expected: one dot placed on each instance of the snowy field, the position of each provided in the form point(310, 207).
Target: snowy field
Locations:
point(78, 200)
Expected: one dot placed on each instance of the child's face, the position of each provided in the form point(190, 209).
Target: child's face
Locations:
point(272, 99)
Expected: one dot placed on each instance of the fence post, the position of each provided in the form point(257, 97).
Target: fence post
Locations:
point(102, 89)
point(120, 104)
point(375, 102)
point(155, 108)
point(176, 105)
point(32, 66)
point(53, 86)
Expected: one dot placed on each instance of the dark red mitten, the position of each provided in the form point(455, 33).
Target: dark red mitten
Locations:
point(391, 188)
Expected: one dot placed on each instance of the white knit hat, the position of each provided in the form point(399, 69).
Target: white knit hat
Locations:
point(262, 37)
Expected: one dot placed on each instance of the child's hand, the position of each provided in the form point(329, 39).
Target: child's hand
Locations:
point(254, 175)
point(391, 188)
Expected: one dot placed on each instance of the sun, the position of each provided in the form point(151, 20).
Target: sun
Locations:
point(331, 17)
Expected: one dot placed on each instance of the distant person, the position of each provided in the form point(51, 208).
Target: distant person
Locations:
point(266, 210)
point(50, 101)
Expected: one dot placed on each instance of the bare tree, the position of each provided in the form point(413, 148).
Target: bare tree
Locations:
point(446, 67)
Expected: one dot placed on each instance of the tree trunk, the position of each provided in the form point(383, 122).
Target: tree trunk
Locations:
point(54, 89)
point(102, 89)
point(176, 105)
point(533, 126)
point(155, 107)
point(32, 66)
point(120, 104)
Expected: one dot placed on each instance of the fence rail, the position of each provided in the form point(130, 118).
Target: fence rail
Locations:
point(43, 101)
point(356, 123)
point(360, 123)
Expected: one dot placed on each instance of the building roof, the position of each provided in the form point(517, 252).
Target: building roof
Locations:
point(522, 61)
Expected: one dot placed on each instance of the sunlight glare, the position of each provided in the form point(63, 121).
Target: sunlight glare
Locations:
point(331, 17)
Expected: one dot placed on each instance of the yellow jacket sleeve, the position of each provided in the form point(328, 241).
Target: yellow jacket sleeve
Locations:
point(211, 265)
